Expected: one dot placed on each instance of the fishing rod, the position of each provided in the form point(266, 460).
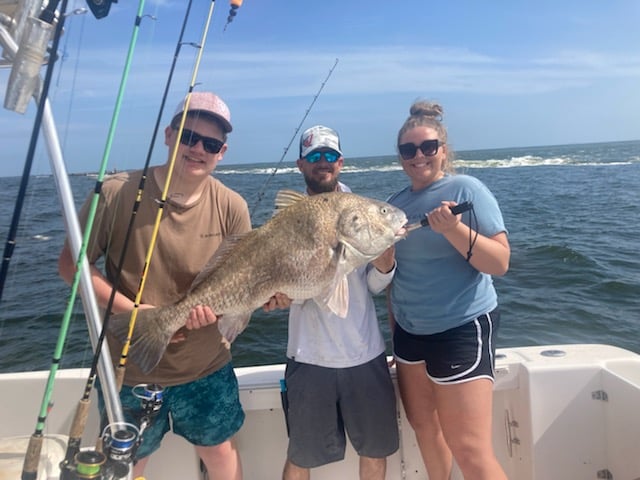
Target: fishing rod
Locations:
point(73, 446)
point(295, 134)
point(141, 186)
point(67, 202)
point(22, 85)
point(456, 210)
point(120, 371)
point(32, 455)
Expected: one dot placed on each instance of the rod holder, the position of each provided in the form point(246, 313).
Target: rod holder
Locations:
point(25, 74)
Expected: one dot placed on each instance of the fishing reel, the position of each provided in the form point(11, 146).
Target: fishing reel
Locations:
point(119, 444)
point(87, 464)
point(151, 397)
point(120, 441)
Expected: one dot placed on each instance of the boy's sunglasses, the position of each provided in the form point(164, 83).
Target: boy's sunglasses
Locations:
point(428, 148)
point(330, 157)
point(209, 144)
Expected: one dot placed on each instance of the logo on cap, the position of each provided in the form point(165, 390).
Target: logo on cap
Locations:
point(308, 141)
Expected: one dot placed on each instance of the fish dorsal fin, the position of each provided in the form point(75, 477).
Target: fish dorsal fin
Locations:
point(220, 254)
point(286, 198)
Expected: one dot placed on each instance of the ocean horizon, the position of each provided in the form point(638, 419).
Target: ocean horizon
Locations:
point(462, 157)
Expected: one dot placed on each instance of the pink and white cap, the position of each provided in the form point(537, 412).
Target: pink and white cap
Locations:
point(208, 103)
point(319, 137)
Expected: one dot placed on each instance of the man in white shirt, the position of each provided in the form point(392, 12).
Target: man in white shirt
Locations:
point(337, 376)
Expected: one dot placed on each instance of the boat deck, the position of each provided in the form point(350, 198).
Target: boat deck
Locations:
point(560, 413)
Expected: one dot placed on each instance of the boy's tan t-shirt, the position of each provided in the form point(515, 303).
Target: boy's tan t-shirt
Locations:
point(186, 240)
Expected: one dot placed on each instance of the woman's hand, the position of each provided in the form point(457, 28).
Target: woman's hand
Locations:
point(442, 219)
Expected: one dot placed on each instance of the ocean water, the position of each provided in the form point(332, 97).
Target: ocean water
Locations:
point(572, 212)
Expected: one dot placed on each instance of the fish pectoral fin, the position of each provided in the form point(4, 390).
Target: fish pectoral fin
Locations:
point(231, 326)
point(337, 299)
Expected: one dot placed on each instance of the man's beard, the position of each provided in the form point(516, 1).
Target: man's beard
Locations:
point(319, 186)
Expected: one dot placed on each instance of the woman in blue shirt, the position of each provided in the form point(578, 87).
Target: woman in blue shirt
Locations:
point(444, 308)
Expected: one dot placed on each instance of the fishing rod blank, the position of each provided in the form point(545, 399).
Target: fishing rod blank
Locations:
point(295, 134)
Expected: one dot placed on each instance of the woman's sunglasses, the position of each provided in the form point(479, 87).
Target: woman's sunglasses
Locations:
point(428, 148)
point(191, 138)
point(329, 156)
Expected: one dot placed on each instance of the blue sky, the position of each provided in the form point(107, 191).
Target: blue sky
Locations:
point(507, 73)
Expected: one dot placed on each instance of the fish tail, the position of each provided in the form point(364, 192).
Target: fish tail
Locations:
point(149, 340)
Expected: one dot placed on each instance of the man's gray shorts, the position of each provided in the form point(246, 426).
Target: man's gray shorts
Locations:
point(324, 402)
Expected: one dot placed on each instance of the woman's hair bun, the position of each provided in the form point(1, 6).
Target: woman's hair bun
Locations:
point(424, 108)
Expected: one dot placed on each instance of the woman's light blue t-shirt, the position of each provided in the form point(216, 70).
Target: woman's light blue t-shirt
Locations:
point(435, 288)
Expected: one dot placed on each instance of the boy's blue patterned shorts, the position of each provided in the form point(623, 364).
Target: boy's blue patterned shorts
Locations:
point(205, 412)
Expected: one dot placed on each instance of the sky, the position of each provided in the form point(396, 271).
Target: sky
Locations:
point(508, 74)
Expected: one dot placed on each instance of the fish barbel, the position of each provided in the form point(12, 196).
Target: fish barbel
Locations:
point(304, 251)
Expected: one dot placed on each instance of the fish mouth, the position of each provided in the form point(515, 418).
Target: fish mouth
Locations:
point(402, 232)
point(409, 227)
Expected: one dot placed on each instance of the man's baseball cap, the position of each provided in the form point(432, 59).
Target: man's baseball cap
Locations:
point(319, 137)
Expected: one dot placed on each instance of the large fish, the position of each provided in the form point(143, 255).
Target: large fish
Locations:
point(304, 251)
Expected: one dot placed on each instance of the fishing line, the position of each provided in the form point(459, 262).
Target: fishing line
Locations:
point(75, 73)
point(75, 435)
point(295, 134)
point(162, 201)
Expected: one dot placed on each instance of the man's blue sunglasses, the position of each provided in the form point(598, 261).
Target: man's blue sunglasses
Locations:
point(329, 156)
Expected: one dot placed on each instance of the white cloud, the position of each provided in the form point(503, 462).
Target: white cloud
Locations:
point(276, 73)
